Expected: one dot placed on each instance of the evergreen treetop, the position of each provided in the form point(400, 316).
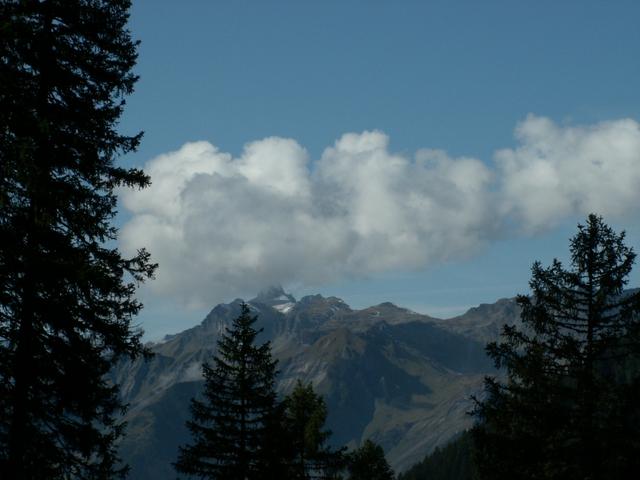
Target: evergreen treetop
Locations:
point(230, 425)
point(369, 463)
point(308, 454)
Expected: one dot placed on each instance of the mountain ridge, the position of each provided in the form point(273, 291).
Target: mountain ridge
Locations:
point(398, 377)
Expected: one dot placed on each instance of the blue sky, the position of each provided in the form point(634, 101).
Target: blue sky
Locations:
point(459, 77)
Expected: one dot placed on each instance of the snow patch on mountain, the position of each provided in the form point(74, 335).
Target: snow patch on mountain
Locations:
point(284, 307)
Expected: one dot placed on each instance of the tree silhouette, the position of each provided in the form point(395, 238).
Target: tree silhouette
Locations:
point(231, 424)
point(308, 454)
point(66, 295)
point(369, 463)
point(569, 406)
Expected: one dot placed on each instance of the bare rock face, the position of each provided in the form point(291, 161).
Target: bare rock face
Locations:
point(388, 374)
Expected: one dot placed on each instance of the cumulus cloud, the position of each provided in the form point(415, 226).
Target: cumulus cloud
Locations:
point(221, 226)
point(560, 171)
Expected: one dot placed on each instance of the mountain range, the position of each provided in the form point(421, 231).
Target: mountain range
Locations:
point(397, 377)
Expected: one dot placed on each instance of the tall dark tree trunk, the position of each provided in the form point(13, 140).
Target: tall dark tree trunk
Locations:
point(24, 370)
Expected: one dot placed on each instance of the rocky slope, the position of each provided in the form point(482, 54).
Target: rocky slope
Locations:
point(389, 374)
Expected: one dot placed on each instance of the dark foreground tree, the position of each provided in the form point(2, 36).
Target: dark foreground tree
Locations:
point(569, 408)
point(308, 454)
point(66, 295)
point(369, 463)
point(232, 423)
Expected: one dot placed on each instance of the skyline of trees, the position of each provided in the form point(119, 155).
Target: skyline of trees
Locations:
point(568, 407)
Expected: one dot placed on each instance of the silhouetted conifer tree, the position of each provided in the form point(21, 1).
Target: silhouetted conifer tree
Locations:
point(569, 406)
point(66, 295)
point(369, 463)
point(309, 456)
point(231, 424)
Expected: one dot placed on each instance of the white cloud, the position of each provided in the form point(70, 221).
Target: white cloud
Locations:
point(560, 171)
point(221, 226)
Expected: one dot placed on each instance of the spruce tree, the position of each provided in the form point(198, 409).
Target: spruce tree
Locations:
point(568, 408)
point(231, 424)
point(369, 463)
point(308, 454)
point(66, 294)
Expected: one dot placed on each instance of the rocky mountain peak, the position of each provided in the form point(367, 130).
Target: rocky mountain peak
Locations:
point(273, 296)
point(386, 373)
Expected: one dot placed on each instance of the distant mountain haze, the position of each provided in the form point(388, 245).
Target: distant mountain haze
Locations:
point(388, 374)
